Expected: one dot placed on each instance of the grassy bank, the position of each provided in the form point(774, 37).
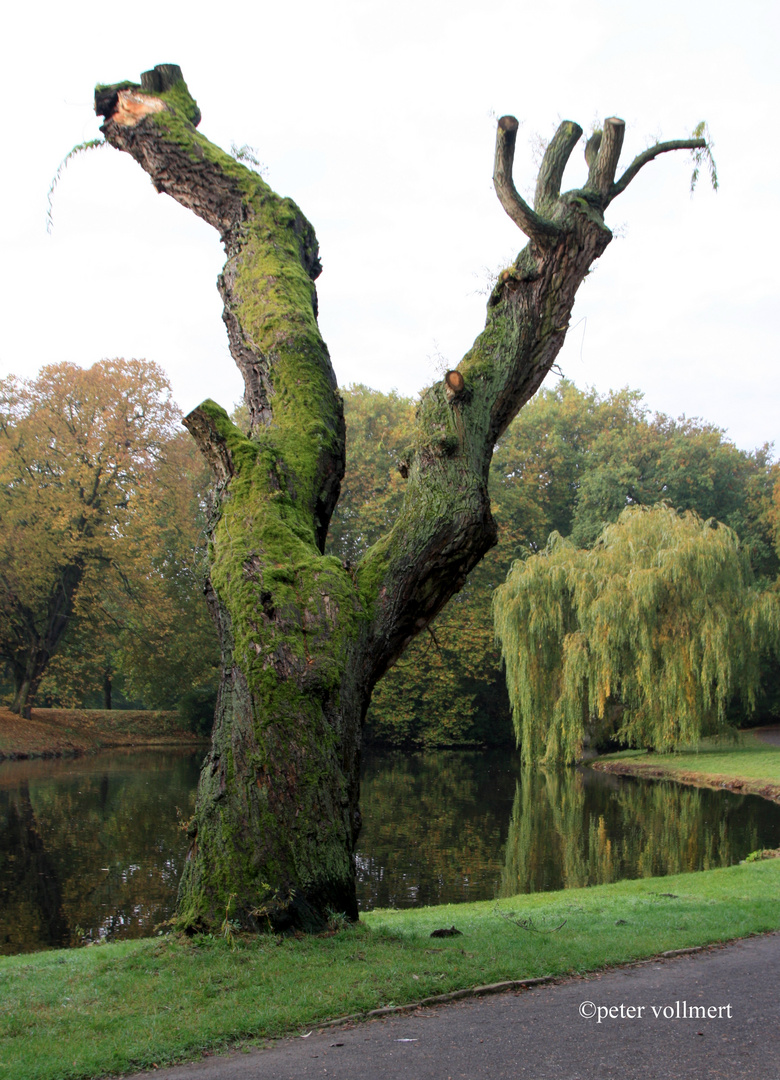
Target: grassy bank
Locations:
point(58, 732)
point(121, 1007)
point(744, 763)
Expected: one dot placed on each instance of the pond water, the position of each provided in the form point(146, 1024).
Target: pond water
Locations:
point(92, 847)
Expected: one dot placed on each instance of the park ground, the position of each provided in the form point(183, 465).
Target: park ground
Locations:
point(640, 1021)
point(115, 1008)
point(66, 732)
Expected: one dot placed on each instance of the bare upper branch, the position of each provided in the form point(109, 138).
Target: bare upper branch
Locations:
point(592, 149)
point(642, 159)
point(535, 227)
point(602, 172)
point(557, 154)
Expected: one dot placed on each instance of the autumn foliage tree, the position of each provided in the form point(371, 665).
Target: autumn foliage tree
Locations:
point(305, 637)
point(140, 622)
point(78, 451)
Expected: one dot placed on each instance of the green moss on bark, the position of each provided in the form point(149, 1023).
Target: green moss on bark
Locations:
point(305, 638)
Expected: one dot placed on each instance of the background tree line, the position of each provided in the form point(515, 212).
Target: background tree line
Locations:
point(570, 463)
point(138, 629)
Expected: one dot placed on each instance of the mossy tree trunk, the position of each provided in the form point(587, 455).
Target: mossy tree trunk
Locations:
point(304, 637)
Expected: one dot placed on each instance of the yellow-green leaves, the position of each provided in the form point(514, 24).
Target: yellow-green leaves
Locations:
point(703, 157)
point(648, 634)
point(79, 453)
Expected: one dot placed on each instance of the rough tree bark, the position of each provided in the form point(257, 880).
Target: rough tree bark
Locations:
point(305, 638)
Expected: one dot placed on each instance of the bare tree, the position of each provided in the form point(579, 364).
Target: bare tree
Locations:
point(304, 637)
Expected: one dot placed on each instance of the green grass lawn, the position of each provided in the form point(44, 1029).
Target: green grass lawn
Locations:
point(125, 1006)
point(717, 760)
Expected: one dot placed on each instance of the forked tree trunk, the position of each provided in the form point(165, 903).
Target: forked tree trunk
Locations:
point(304, 637)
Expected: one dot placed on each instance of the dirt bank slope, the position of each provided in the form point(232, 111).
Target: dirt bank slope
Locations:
point(58, 732)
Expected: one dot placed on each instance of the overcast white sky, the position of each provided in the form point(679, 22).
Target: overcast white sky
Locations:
point(379, 120)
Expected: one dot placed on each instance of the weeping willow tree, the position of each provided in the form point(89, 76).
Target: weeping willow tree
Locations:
point(649, 634)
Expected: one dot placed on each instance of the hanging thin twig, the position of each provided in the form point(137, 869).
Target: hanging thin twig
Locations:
point(82, 148)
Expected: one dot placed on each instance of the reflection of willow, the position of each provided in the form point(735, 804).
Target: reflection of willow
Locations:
point(672, 830)
point(30, 890)
point(544, 848)
point(570, 829)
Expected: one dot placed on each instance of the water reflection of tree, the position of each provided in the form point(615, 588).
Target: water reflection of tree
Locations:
point(112, 844)
point(443, 827)
point(95, 843)
point(434, 827)
point(31, 903)
point(568, 829)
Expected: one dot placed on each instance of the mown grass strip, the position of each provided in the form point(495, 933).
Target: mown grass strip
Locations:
point(121, 1007)
point(742, 762)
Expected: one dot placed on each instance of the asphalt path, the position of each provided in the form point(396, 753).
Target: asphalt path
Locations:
point(708, 1014)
